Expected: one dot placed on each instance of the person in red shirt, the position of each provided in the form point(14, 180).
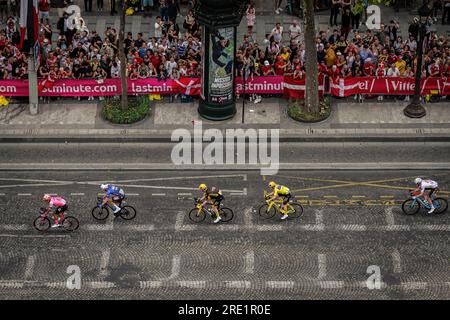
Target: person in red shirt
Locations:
point(381, 70)
point(334, 73)
point(368, 67)
point(154, 58)
point(267, 69)
point(322, 68)
point(280, 66)
point(435, 69)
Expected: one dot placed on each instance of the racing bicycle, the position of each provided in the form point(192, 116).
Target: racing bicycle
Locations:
point(412, 205)
point(43, 223)
point(127, 212)
point(271, 207)
point(199, 213)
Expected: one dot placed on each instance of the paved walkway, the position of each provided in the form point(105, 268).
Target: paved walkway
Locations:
point(348, 120)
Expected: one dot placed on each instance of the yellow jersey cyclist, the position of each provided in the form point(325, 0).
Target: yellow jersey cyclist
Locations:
point(280, 191)
point(213, 197)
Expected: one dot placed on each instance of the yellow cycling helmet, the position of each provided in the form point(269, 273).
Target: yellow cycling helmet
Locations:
point(203, 187)
point(272, 184)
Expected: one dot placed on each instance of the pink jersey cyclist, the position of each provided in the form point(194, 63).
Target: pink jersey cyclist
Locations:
point(60, 206)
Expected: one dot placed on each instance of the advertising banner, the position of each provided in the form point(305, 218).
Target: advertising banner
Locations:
point(221, 48)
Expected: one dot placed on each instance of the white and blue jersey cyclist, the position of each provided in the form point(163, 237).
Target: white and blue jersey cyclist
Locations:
point(113, 196)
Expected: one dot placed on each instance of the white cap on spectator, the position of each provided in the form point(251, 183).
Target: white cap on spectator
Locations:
point(266, 63)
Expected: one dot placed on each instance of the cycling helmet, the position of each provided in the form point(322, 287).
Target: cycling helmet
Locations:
point(203, 187)
point(103, 186)
point(272, 184)
point(417, 180)
point(46, 197)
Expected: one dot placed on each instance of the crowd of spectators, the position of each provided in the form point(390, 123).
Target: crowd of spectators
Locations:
point(175, 51)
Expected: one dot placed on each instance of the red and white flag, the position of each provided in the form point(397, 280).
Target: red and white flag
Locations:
point(188, 86)
point(29, 29)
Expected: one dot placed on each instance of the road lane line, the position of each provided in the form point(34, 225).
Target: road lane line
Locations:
point(311, 227)
point(14, 227)
point(192, 284)
point(176, 264)
point(104, 261)
point(414, 285)
point(29, 267)
point(99, 227)
point(232, 227)
point(132, 194)
point(280, 284)
point(185, 194)
point(24, 194)
point(57, 284)
point(390, 220)
point(250, 262)
point(331, 284)
point(359, 197)
point(351, 227)
point(77, 194)
point(179, 223)
point(11, 284)
point(396, 260)
point(101, 284)
point(149, 284)
point(398, 227)
point(330, 196)
point(322, 260)
point(432, 227)
point(319, 220)
point(248, 218)
point(2, 194)
point(386, 197)
point(269, 228)
point(158, 194)
point(238, 284)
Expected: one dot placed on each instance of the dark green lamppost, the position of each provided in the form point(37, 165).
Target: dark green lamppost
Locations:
point(415, 109)
point(219, 19)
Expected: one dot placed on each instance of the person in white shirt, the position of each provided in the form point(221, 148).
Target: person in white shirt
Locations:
point(277, 33)
point(393, 71)
point(158, 28)
point(294, 32)
point(426, 185)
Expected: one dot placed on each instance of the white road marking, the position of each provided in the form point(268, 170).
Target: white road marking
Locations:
point(14, 227)
point(132, 194)
point(101, 284)
point(311, 227)
point(322, 260)
point(432, 227)
point(236, 194)
point(179, 223)
point(11, 284)
point(59, 284)
point(319, 220)
point(331, 284)
point(238, 284)
point(2, 194)
point(399, 227)
point(351, 227)
point(176, 264)
point(192, 284)
point(150, 284)
point(44, 236)
point(248, 218)
point(170, 188)
point(414, 285)
point(158, 194)
point(390, 220)
point(29, 267)
point(396, 260)
point(185, 194)
point(99, 227)
point(280, 284)
point(245, 191)
point(24, 194)
point(104, 261)
point(250, 262)
point(269, 228)
point(77, 194)
point(229, 227)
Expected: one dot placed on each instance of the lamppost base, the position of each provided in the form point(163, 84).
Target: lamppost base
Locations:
point(216, 113)
point(414, 110)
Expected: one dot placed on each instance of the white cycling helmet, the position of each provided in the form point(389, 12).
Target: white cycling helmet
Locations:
point(417, 180)
point(103, 186)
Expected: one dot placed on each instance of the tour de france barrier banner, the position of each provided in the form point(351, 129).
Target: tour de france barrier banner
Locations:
point(293, 88)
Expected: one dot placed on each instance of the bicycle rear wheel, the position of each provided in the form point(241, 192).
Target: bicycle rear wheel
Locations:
point(410, 206)
point(295, 210)
point(100, 213)
point(197, 216)
point(70, 223)
point(441, 205)
point(128, 212)
point(226, 214)
point(265, 212)
point(42, 224)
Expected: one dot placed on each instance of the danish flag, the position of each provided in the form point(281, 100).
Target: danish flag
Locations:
point(188, 86)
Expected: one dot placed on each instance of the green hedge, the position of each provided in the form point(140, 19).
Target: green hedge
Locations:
point(138, 108)
point(296, 111)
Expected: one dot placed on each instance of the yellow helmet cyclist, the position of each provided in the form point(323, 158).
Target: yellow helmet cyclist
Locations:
point(203, 187)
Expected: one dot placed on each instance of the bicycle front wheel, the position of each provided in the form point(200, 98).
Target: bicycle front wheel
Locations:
point(410, 206)
point(441, 205)
point(42, 224)
point(265, 212)
point(197, 216)
point(128, 213)
point(295, 210)
point(226, 214)
point(100, 213)
point(70, 223)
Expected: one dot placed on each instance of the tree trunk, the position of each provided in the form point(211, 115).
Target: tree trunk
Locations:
point(122, 57)
point(312, 88)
